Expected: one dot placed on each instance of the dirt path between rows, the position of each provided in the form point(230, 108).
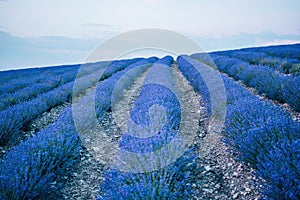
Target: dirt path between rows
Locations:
point(86, 178)
point(218, 175)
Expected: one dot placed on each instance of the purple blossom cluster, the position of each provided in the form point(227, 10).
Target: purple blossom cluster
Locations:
point(170, 182)
point(29, 169)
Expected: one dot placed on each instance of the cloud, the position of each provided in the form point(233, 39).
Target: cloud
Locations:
point(242, 40)
point(98, 30)
point(21, 52)
point(98, 25)
point(280, 42)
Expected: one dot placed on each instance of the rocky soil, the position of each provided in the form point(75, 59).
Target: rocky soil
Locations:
point(218, 175)
point(87, 176)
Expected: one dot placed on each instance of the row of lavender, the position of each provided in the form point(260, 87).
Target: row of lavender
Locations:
point(264, 135)
point(281, 51)
point(264, 79)
point(26, 88)
point(144, 170)
point(15, 118)
point(283, 65)
point(29, 169)
point(44, 84)
point(14, 80)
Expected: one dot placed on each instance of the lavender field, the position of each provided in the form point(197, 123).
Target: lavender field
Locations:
point(219, 125)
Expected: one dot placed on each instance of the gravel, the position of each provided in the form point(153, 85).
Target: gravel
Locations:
point(218, 174)
point(44, 120)
point(87, 176)
point(35, 126)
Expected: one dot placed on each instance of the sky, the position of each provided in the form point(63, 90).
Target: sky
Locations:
point(43, 33)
